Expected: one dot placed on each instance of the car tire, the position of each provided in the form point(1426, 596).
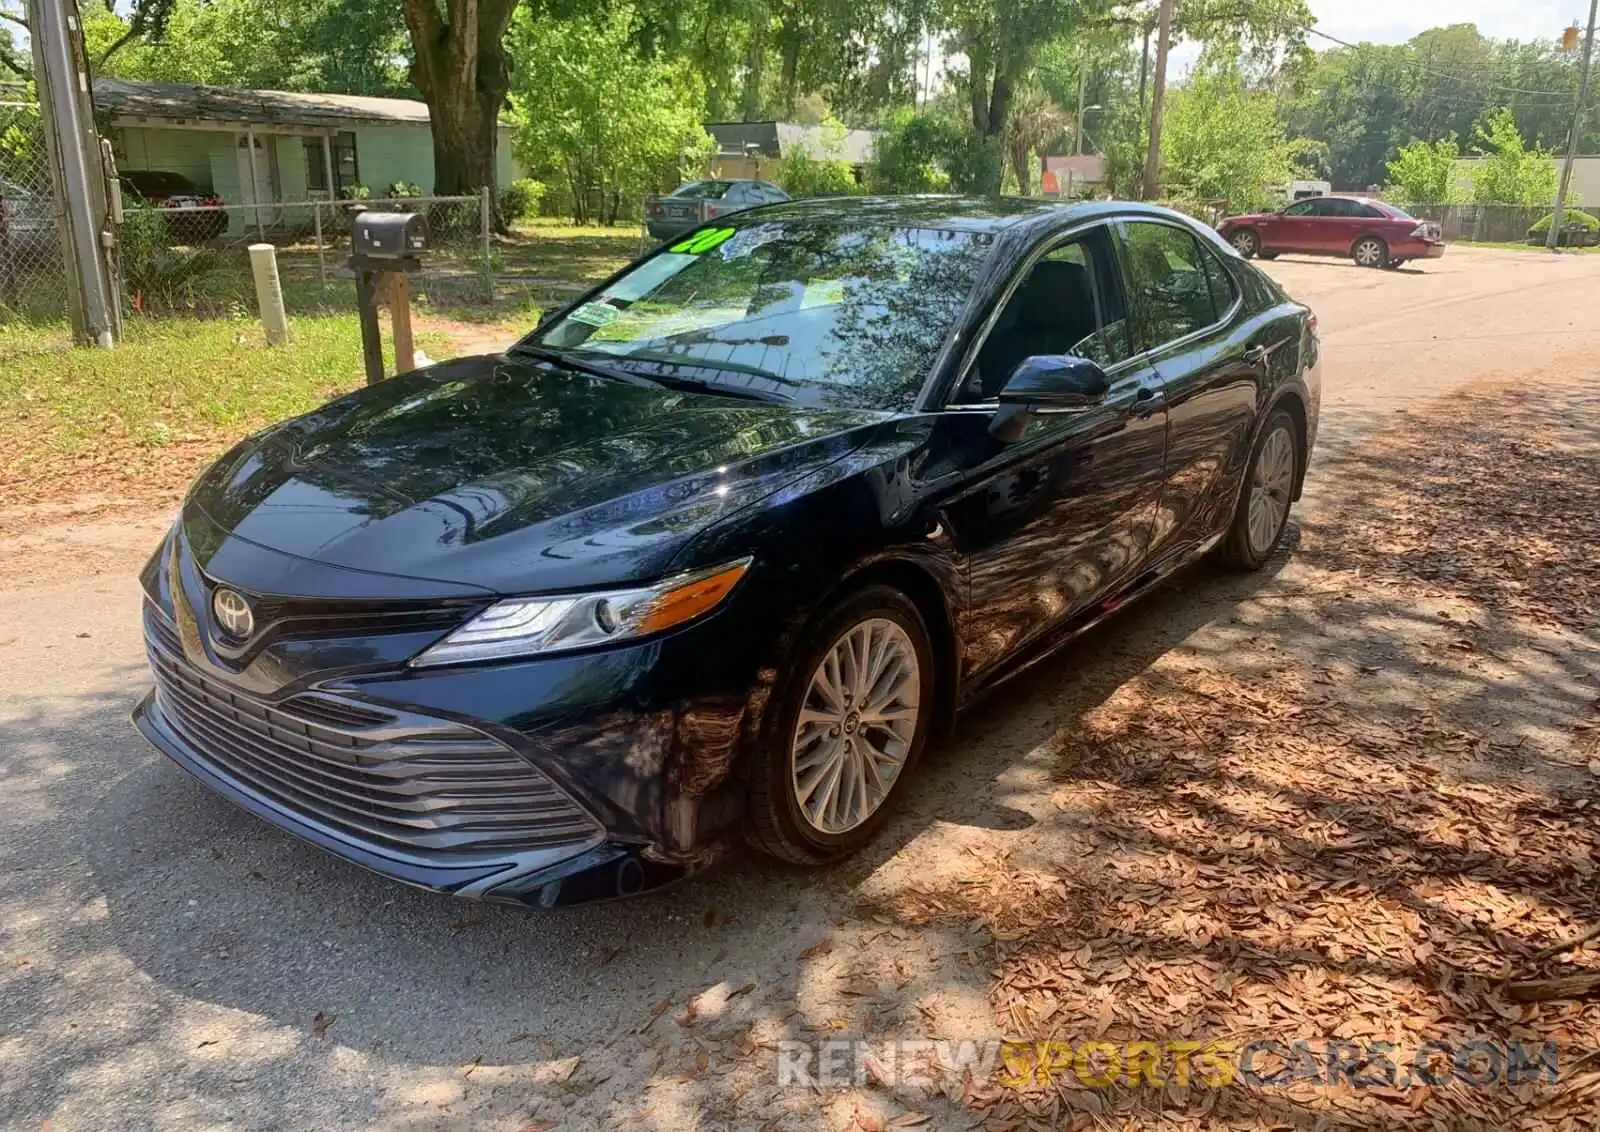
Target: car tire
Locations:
point(782, 819)
point(1246, 242)
point(1369, 251)
point(1262, 514)
point(1267, 255)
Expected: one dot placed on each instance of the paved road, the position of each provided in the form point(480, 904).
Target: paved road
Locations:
point(164, 958)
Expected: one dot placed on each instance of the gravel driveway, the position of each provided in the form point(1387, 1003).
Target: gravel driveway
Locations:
point(169, 962)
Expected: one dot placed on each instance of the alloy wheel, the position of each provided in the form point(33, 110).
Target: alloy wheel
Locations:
point(1271, 485)
point(1245, 243)
point(856, 726)
point(1369, 253)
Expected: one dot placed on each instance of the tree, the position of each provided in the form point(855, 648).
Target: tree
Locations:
point(459, 63)
point(998, 39)
point(1424, 173)
point(1223, 141)
point(1510, 172)
point(347, 46)
point(1036, 125)
point(597, 116)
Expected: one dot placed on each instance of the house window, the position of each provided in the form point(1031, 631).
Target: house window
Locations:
point(345, 170)
point(316, 170)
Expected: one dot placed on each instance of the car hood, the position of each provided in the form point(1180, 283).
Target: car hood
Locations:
point(491, 473)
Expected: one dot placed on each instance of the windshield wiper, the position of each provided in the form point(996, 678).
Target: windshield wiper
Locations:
point(565, 358)
point(700, 385)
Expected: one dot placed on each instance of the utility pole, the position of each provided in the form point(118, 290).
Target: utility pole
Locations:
point(1083, 83)
point(76, 166)
point(1554, 239)
point(1152, 155)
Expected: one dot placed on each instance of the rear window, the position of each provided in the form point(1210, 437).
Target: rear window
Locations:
point(704, 190)
point(155, 183)
point(1393, 210)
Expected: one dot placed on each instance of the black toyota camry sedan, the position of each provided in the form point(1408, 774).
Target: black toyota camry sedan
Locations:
point(711, 553)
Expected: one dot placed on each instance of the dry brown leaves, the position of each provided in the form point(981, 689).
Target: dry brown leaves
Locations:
point(1242, 858)
point(1491, 496)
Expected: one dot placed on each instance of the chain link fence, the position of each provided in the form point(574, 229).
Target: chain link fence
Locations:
point(194, 260)
point(33, 276)
point(1490, 223)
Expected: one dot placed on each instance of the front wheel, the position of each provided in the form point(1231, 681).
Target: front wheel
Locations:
point(1370, 252)
point(1263, 511)
point(1245, 242)
point(851, 718)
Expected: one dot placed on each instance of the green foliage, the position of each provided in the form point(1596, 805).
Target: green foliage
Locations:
point(355, 192)
point(350, 46)
point(908, 155)
point(401, 189)
point(1424, 173)
point(1223, 141)
point(594, 113)
point(1510, 172)
point(1369, 101)
point(1569, 219)
point(520, 199)
point(801, 175)
point(1576, 227)
point(158, 277)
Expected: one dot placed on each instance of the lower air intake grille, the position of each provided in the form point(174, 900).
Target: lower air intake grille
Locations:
point(385, 777)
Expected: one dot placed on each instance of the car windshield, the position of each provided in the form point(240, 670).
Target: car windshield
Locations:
point(704, 190)
point(810, 311)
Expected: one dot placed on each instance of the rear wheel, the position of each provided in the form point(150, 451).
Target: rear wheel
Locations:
point(852, 717)
point(1245, 242)
point(1268, 255)
point(1263, 511)
point(1370, 251)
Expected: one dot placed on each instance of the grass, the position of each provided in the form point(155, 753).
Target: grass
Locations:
point(145, 416)
point(1518, 246)
point(173, 392)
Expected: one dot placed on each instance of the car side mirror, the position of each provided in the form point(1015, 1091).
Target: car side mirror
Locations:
point(1047, 383)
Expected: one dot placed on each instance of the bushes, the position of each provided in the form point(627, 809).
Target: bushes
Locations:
point(159, 277)
point(1578, 229)
point(802, 175)
point(520, 199)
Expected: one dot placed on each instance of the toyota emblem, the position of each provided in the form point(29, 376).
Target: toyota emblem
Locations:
point(233, 614)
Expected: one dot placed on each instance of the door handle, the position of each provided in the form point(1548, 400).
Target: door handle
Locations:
point(1148, 401)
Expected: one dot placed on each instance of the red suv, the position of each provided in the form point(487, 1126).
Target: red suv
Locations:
point(1371, 232)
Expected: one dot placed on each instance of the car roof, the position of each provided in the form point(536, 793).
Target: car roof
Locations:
point(960, 213)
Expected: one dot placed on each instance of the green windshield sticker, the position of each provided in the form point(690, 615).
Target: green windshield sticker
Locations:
point(595, 314)
point(702, 242)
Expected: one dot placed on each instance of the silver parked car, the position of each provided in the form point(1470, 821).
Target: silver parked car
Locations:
point(689, 206)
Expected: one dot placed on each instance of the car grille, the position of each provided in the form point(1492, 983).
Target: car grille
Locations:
point(385, 777)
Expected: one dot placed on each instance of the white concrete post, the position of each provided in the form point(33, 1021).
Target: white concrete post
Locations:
point(269, 294)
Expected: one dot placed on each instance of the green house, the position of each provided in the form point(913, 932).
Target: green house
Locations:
point(273, 151)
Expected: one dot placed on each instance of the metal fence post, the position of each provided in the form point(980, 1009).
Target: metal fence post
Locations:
point(322, 259)
point(486, 218)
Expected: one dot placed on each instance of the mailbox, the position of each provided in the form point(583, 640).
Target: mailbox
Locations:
point(384, 248)
point(393, 236)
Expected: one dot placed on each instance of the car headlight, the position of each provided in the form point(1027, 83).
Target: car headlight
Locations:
point(538, 626)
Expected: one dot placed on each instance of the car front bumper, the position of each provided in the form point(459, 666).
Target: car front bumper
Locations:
point(538, 782)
